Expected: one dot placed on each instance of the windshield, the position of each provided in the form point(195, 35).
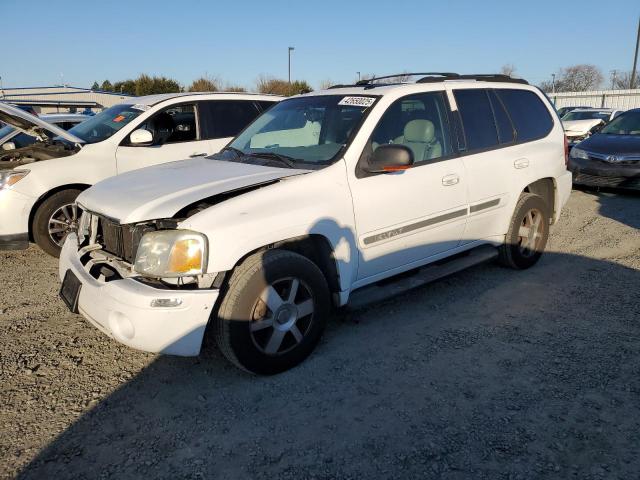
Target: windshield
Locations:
point(105, 124)
point(626, 124)
point(587, 115)
point(309, 130)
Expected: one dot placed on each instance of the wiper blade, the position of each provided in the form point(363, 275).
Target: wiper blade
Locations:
point(237, 151)
point(288, 161)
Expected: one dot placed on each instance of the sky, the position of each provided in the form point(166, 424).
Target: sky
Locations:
point(47, 42)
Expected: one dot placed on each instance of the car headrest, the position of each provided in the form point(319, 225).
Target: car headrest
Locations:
point(421, 131)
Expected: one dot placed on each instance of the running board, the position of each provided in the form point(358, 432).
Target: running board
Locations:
point(393, 287)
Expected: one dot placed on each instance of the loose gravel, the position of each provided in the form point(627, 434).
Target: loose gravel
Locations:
point(490, 373)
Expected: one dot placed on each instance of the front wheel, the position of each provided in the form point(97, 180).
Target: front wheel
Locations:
point(273, 312)
point(528, 233)
point(55, 219)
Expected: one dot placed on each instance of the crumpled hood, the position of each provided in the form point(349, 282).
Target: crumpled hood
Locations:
point(580, 127)
point(163, 190)
point(33, 125)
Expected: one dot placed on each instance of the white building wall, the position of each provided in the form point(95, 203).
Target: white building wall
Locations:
point(619, 99)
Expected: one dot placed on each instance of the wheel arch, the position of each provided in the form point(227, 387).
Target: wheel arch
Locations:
point(315, 247)
point(547, 189)
point(46, 195)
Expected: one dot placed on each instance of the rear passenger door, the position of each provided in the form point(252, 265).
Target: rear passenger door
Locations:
point(221, 120)
point(485, 132)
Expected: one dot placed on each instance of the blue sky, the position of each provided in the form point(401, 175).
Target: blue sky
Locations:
point(238, 41)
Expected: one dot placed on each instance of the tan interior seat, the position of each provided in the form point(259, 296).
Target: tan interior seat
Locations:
point(419, 136)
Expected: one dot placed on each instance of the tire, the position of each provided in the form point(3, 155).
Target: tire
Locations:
point(269, 337)
point(58, 209)
point(520, 251)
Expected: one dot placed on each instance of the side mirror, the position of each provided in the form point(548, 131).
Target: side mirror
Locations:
point(8, 146)
point(141, 138)
point(390, 158)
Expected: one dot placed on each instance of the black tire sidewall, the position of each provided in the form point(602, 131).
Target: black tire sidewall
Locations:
point(527, 203)
point(42, 215)
point(275, 265)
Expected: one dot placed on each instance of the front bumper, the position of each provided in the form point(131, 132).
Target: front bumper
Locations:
point(122, 309)
point(597, 173)
point(14, 219)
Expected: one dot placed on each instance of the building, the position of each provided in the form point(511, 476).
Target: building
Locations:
point(61, 98)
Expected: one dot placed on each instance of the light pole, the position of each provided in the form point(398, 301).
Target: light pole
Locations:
point(553, 83)
point(632, 80)
point(291, 49)
point(358, 75)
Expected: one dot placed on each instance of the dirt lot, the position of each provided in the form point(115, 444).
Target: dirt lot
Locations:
point(488, 374)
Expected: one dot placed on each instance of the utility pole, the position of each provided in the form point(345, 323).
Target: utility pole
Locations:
point(614, 74)
point(358, 75)
point(632, 82)
point(553, 83)
point(291, 49)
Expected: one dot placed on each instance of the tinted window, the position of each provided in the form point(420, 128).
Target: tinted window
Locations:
point(174, 124)
point(505, 128)
point(265, 105)
point(528, 114)
point(226, 118)
point(477, 118)
point(418, 122)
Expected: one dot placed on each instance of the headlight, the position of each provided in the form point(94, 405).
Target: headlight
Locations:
point(171, 253)
point(579, 153)
point(11, 177)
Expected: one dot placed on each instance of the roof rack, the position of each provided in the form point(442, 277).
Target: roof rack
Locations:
point(427, 77)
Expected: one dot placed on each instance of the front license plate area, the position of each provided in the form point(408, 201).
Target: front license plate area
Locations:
point(70, 291)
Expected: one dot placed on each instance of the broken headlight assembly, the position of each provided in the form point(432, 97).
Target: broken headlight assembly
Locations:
point(171, 254)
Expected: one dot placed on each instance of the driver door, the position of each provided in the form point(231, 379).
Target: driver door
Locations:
point(403, 218)
point(176, 136)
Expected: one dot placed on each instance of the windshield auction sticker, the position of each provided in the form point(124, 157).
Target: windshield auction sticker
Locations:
point(357, 101)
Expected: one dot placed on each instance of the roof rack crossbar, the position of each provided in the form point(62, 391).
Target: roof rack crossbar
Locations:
point(405, 74)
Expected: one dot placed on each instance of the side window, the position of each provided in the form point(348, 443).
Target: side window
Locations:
point(174, 124)
point(506, 133)
point(67, 125)
point(226, 118)
point(528, 113)
point(477, 118)
point(419, 122)
point(264, 105)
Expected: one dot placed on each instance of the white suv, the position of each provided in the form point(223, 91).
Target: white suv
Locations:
point(37, 196)
point(312, 205)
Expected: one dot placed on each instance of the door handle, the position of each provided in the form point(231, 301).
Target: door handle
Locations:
point(521, 163)
point(451, 179)
point(194, 155)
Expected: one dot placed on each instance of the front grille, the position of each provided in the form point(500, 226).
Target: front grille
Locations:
point(601, 181)
point(119, 240)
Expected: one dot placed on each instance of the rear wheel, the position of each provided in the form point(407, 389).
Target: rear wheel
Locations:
point(273, 312)
point(528, 232)
point(56, 217)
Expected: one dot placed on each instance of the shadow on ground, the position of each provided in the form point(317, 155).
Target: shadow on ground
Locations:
point(613, 203)
point(490, 373)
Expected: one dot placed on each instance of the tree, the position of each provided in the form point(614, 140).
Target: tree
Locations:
point(326, 83)
point(622, 80)
point(106, 86)
point(127, 87)
point(508, 69)
point(577, 78)
point(234, 88)
point(276, 86)
point(95, 86)
point(205, 84)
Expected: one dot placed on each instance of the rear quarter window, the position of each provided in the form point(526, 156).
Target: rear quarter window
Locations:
point(528, 113)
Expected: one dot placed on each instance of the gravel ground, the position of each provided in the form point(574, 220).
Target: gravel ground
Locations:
point(490, 373)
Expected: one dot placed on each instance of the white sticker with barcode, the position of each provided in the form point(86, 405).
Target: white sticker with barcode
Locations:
point(357, 101)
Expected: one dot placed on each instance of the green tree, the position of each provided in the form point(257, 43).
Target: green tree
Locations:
point(234, 88)
point(106, 86)
point(205, 84)
point(95, 86)
point(127, 87)
point(277, 86)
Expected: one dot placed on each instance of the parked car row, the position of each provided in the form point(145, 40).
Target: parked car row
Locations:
point(316, 200)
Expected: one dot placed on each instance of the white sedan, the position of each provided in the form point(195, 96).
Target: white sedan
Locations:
point(578, 123)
